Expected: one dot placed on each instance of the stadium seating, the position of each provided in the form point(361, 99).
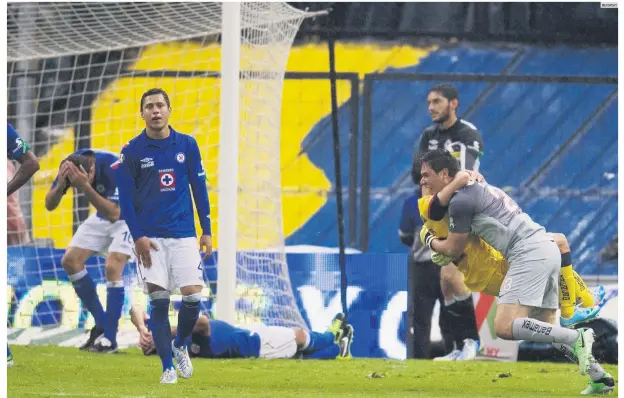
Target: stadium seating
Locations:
point(524, 126)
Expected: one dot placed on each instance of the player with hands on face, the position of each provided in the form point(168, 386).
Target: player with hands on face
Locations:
point(104, 233)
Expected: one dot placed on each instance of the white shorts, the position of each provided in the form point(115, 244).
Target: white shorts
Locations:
point(103, 237)
point(176, 264)
point(276, 342)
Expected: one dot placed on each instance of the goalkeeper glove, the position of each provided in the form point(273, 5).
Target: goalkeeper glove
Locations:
point(440, 259)
point(426, 236)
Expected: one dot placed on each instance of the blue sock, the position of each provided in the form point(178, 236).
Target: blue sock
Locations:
point(187, 318)
point(85, 289)
point(8, 352)
point(161, 329)
point(114, 304)
point(318, 341)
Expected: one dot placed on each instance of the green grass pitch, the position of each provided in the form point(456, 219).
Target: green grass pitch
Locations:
point(49, 371)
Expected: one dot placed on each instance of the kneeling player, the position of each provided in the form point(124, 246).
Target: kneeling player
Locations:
point(217, 339)
point(93, 173)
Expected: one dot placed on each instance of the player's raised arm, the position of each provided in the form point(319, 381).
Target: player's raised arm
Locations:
point(59, 187)
point(460, 219)
point(197, 179)
point(438, 203)
point(82, 180)
point(19, 150)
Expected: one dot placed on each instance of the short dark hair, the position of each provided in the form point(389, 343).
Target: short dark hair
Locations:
point(81, 160)
point(155, 91)
point(448, 91)
point(440, 159)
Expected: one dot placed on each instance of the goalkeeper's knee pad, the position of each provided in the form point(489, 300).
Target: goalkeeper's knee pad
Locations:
point(582, 291)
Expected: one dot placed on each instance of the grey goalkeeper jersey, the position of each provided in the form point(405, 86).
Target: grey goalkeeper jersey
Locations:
point(488, 212)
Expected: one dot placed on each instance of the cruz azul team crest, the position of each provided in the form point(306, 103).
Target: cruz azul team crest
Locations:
point(167, 180)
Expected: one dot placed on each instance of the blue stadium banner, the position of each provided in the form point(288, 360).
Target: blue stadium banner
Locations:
point(44, 308)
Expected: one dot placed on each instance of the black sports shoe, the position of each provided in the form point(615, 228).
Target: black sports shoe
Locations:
point(94, 335)
point(345, 343)
point(337, 327)
point(104, 346)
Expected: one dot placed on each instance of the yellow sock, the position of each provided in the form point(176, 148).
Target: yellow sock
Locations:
point(567, 286)
point(582, 292)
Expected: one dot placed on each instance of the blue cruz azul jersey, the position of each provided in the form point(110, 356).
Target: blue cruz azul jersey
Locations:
point(16, 147)
point(155, 180)
point(105, 182)
point(225, 341)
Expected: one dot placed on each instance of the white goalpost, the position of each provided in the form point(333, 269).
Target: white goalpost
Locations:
point(76, 74)
point(228, 159)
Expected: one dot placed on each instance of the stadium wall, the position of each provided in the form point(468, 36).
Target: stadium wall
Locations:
point(44, 309)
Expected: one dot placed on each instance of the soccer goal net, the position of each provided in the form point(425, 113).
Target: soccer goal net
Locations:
point(76, 73)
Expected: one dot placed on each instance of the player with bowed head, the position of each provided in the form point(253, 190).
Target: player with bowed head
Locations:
point(157, 171)
point(93, 172)
point(19, 150)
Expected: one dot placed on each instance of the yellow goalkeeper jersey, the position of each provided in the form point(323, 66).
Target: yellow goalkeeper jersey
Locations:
point(483, 267)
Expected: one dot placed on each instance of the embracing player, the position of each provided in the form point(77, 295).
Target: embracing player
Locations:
point(528, 298)
point(157, 171)
point(217, 339)
point(20, 151)
point(104, 233)
point(484, 268)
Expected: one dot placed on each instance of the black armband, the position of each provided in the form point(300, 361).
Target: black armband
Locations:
point(566, 259)
point(436, 210)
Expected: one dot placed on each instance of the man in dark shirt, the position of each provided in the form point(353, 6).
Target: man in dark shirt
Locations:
point(458, 136)
point(462, 139)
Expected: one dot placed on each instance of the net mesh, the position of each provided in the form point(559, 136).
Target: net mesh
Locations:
point(76, 75)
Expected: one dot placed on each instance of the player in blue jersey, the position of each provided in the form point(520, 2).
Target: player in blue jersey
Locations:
point(217, 339)
point(19, 150)
point(93, 172)
point(157, 171)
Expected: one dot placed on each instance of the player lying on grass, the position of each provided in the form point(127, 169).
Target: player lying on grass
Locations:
point(528, 294)
point(93, 172)
point(484, 268)
point(217, 339)
point(20, 151)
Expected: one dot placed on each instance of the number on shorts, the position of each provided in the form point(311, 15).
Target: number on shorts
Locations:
point(127, 237)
